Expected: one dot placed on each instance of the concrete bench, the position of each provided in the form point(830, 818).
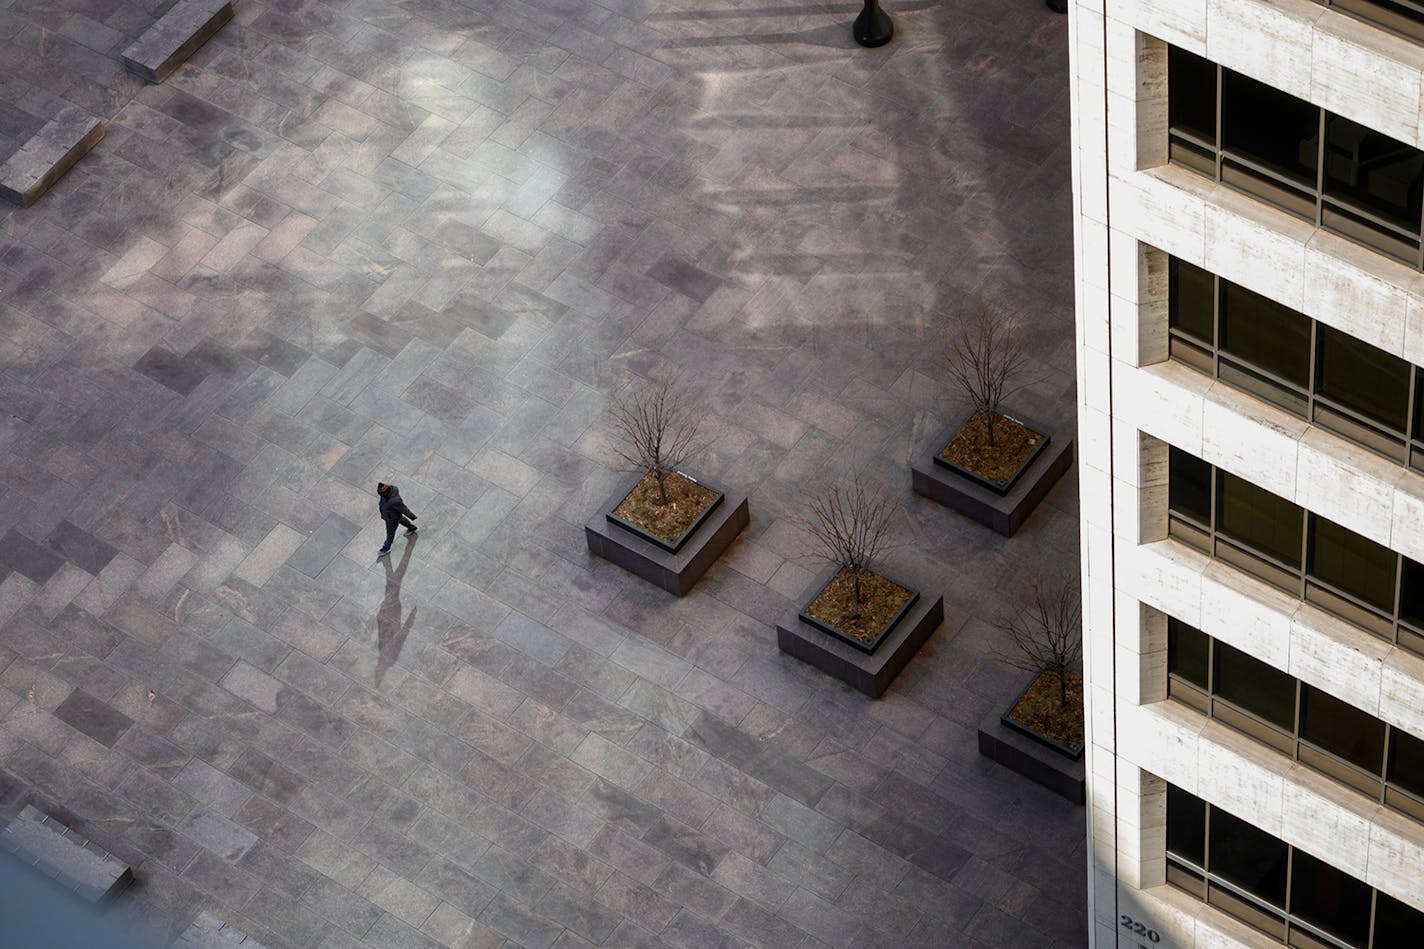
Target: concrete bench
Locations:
point(53, 150)
point(175, 36)
point(59, 853)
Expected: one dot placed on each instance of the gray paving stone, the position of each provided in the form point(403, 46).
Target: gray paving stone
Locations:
point(24, 556)
point(92, 717)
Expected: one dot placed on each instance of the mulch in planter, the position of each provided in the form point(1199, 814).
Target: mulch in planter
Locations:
point(686, 501)
point(1038, 709)
point(970, 447)
point(880, 600)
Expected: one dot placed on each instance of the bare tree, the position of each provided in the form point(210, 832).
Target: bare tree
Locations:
point(1047, 634)
point(658, 429)
point(851, 523)
point(985, 355)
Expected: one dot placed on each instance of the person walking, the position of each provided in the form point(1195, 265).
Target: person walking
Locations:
point(395, 514)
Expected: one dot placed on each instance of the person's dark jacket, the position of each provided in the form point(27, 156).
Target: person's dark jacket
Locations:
point(392, 507)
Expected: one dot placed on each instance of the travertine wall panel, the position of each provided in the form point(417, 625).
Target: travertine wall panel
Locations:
point(1269, 41)
point(1367, 75)
point(1251, 240)
point(1331, 654)
point(1257, 445)
point(1356, 290)
point(1355, 490)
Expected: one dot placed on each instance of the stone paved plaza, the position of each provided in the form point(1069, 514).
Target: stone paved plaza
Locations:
point(425, 241)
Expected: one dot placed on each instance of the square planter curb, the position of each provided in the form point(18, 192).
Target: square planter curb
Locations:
point(1031, 757)
point(870, 673)
point(674, 572)
point(1002, 513)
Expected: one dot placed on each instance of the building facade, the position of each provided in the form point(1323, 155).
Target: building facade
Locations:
point(1249, 198)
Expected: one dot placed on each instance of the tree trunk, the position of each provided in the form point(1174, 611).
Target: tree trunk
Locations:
point(855, 585)
point(1062, 689)
point(989, 426)
point(660, 475)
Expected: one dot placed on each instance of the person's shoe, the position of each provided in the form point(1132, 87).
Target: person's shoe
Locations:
point(382, 552)
point(411, 531)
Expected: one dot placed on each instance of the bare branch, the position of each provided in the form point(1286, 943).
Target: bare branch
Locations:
point(1046, 635)
point(985, 355)
point(851, 525)
point(658, 429)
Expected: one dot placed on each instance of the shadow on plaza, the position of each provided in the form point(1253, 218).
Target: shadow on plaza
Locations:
point(391, 629)
point(742, 13)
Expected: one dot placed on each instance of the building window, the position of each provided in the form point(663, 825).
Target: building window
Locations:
point(1405, 17)
point(1332, 171)
point(1311, 370)
point(1265, 535)
point(1311, 726)
point(1278, 889)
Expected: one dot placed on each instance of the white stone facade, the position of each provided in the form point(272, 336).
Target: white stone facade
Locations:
point(1132, 210)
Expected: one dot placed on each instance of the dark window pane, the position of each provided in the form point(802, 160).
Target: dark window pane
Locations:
point(1189, 300)
point(1354, 564)
point(1397, 926)
point(1187, 652)
point(1411, 593)
point(1189, 486)
point(1334, 901)
point(1406, 762)
point(1373, 172)
point(1265, 334)
point(1269, 127)
point(1360, 377)
point(1341, 729)
point(1248, 857)
point(1419, 404)
point(1186, 825)
point(1258, 519)
point(1261, 689)
point(1191, 93)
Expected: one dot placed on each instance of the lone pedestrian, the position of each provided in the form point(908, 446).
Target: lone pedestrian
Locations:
point(395, 514)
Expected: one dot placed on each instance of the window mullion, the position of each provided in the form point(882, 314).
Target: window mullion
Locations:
point(1398, 593)
point(1320, 172)
point(1219, 85)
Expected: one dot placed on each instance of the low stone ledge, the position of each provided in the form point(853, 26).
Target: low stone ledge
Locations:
point(42, 842)
point(1002, 513)
point(44, 159)
point(175, 36)
point(674, 572)
point(1034, 760)
point(870, 673)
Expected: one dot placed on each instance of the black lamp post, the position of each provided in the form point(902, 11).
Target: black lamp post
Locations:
point(873, 27)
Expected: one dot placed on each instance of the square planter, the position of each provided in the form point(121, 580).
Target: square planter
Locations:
point(867, 672)
point(998, 487)
point(674, 545)
point(975, 498)
point(674, 571)
point(1042, 760)
point(865, 647)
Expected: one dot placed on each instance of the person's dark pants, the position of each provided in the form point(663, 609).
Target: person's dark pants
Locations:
point(391, 526)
